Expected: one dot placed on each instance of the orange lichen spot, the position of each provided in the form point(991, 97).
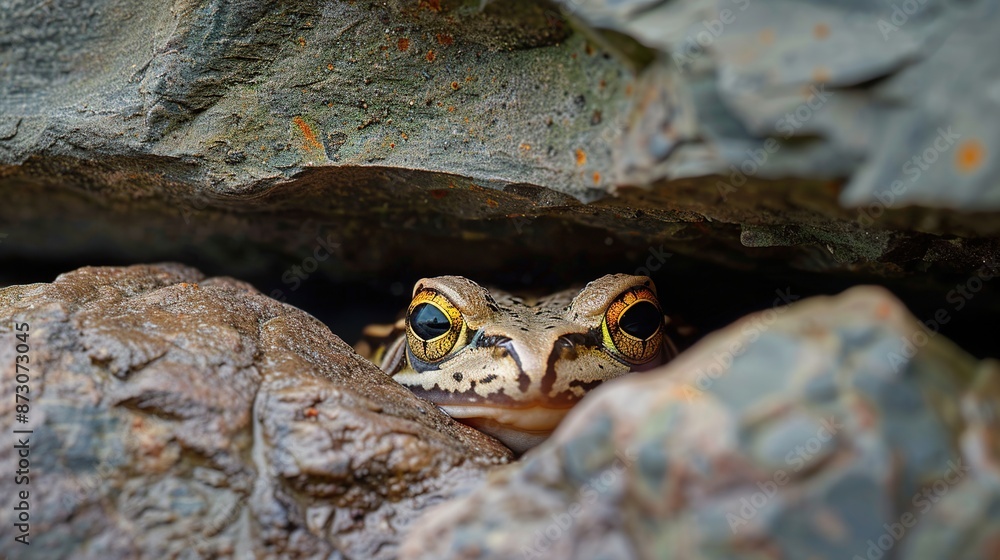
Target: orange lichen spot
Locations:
point(301, 41)
point(451, 108)
point(883, 310)
point(403, 44)
point(329, 67)
point(766, 36)
point(392, 145)
point(492, 203)
point(581, 157)
point(311, 412)
point(430, 56)
point(589, 49)
point(970, 155)
point(525, 147)
point(821, 75)
point(455, 85)
point(470, 78)
point(821, 31)
point(404, 136)
point(438, 193)
point(597, 178)
point(445, 39)
point(311, 142)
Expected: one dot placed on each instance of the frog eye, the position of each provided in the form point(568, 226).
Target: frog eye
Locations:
point(428, 321)
point(633, 326)
point(433, 326)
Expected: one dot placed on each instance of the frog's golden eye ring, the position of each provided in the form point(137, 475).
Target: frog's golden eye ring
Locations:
point(433, 326)
point(633, 326)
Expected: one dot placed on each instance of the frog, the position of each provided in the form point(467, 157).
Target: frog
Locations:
point(512, 366)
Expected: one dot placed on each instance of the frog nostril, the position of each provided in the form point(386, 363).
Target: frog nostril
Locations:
point(566, 346)
point(494, 341)
point(500, 345)
point(572, 340)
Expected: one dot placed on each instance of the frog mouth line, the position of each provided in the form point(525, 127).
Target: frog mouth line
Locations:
point(532, 419)
point(496, 399)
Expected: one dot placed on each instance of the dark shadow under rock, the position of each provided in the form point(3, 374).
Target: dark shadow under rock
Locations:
point(179, 416)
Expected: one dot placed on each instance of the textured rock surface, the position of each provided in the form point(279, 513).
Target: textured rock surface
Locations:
point(212, 131)
point(816, 431)
point(176, 416)
point(844, 90)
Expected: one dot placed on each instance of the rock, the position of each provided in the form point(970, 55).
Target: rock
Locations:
point(817, 90)
point(239, 135)
point(831, 428)
point(175, 415)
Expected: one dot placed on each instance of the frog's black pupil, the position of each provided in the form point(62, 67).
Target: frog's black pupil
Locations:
point(641, 320)
point(428, 321)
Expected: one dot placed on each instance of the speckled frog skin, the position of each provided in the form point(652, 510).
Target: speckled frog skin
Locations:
point(513, 366)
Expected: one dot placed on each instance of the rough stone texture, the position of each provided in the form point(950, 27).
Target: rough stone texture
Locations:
point(847, 90)
point(813, 431)
point(176, 416)
point(213, 130)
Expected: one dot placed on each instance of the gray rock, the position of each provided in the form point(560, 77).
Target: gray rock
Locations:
point(238, 134)
point(893, 96)
point(178, 416)
point(817, 430)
